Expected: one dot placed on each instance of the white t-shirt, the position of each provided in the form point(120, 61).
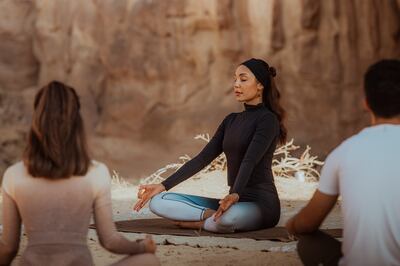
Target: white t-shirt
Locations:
point(365, 171)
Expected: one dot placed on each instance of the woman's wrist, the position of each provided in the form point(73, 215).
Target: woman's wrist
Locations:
point(235, 196)
point(163, 187)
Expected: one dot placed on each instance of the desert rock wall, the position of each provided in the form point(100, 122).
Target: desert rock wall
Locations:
point(152, 74)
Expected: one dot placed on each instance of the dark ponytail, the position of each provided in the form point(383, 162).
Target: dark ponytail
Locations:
point(271, 99)
point(271, 95)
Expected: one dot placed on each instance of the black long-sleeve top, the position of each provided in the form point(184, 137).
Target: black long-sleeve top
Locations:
point(248, 139)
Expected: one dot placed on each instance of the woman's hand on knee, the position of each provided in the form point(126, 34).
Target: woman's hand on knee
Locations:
point(225, 204)
point(146, 192)
point(291, 229)
point(149, 244)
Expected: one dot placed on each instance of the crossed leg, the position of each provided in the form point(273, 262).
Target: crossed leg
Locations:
point(196, 212)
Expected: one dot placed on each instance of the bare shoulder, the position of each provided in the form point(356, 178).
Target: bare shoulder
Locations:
point(12, 176)
point(16, 170)
point(16, 167)
point(99, 166)
point(99, 172)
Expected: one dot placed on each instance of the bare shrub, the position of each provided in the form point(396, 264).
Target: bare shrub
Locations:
point(283, 164)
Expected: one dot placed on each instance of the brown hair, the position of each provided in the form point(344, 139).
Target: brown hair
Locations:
point(57, 145)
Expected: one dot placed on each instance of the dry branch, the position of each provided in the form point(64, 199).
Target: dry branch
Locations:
point(283, 164)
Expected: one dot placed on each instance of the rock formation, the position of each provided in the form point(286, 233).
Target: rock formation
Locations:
point(152, 73)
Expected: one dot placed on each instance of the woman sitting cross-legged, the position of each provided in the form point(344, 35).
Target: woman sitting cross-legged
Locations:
point(55, 189)
point(248, 139)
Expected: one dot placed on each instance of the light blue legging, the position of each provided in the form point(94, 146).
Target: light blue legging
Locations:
point(242, 216)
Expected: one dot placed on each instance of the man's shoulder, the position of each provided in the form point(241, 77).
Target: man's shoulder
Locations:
point(366, 136)
point(351, 141)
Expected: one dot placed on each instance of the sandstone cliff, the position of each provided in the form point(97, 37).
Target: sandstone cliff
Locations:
point(154, 73)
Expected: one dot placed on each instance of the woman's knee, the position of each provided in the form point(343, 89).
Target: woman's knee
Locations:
point(227, 221)
point(224, 224)
point(163, 205)
point(239, 217)
point(155, 204)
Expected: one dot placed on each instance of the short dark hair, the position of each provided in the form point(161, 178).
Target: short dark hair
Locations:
point(56, 143)
point(382, 88)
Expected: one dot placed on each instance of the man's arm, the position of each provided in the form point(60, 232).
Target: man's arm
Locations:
point(313, 214)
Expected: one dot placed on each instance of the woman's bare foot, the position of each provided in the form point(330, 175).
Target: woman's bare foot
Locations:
point(208, 213)
point(197, 224)
point(190, 225)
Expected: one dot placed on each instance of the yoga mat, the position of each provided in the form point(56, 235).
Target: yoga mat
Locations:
point(165, 227)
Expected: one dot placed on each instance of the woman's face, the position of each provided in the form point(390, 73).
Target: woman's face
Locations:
point(246, 87)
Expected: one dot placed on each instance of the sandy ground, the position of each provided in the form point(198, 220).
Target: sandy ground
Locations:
point(178, 250)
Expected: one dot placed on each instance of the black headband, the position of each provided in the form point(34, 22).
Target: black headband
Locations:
point(261, 70)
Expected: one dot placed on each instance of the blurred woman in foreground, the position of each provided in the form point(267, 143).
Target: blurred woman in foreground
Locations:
point(55, 189)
